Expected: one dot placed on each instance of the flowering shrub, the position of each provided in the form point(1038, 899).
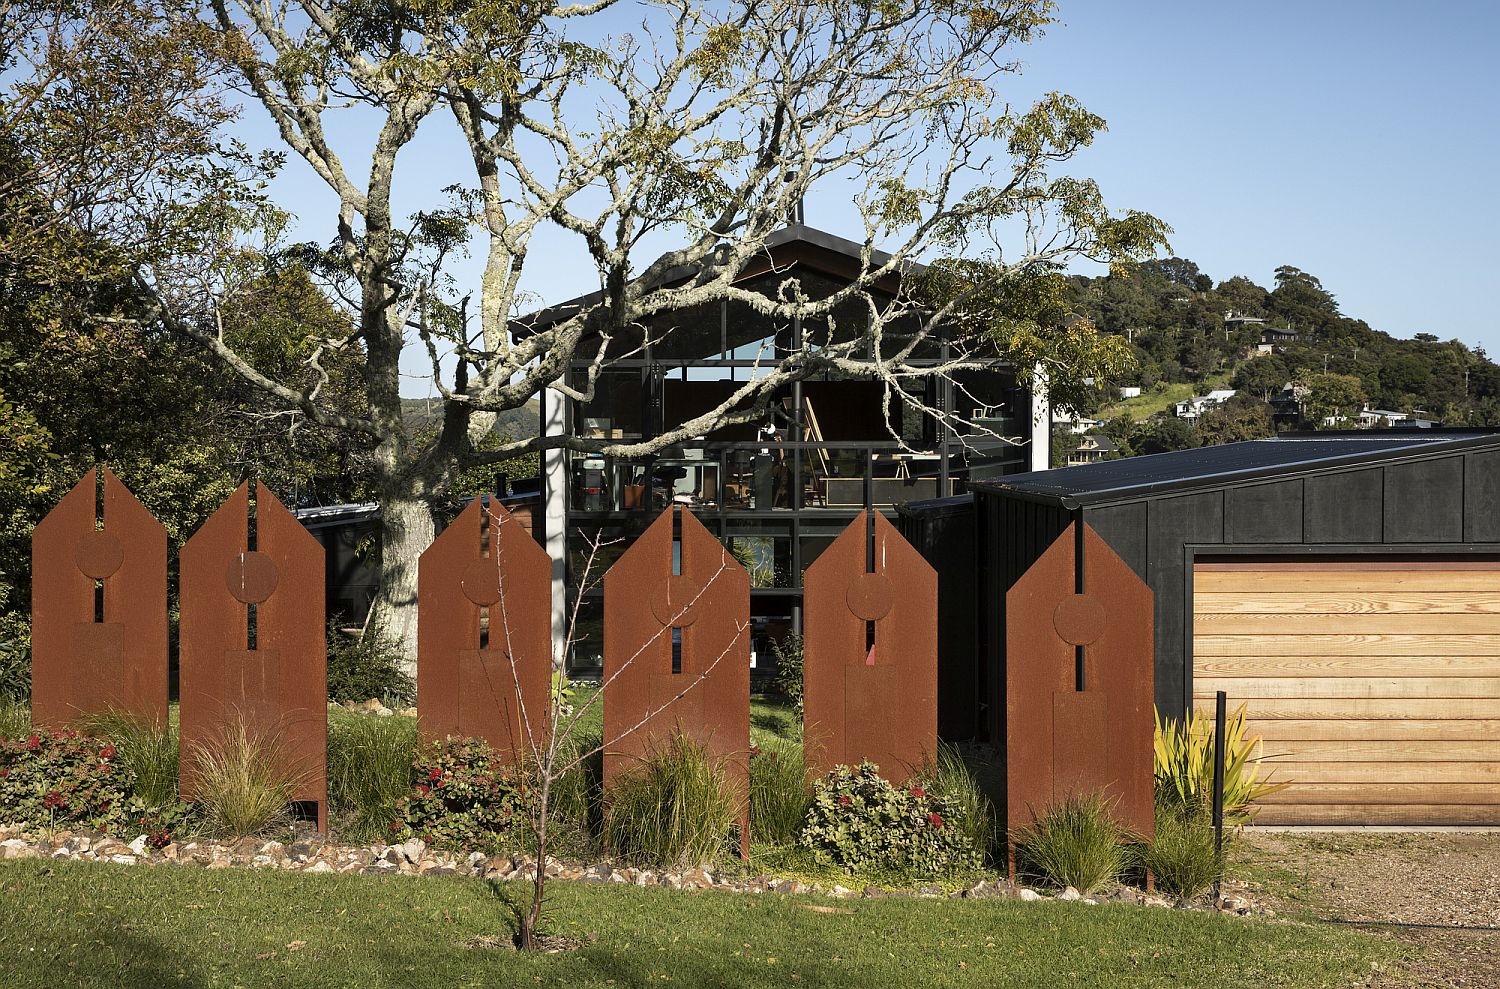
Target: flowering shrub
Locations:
point(461, 796)
point(62, 778)
point(860, 821)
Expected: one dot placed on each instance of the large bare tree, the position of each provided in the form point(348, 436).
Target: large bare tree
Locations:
point(684, 122)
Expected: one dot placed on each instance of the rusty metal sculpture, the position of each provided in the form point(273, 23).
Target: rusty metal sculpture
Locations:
point(870, 667)
point(252, 646)
point(98, 607)
point(677, 651)
point(1079, 663)
point(484, 641)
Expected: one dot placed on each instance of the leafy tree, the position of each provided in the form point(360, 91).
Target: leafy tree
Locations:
point(1262, 375)
point(1240, 418)
point(1164, 434)
point(1333, 400)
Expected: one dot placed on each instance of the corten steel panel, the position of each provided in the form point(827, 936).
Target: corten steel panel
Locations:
point(878, 704)
point(485, 566)
point(279, 688)
point(80, 666)
point(645, 703)
point(1059, 740)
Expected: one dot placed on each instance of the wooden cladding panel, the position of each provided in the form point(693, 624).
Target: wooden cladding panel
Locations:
point(1376, 691)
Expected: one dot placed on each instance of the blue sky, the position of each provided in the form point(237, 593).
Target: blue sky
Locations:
point(1355, 140)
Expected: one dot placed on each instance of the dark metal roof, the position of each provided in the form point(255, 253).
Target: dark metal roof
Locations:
point(1212, 466)
point(797, 233)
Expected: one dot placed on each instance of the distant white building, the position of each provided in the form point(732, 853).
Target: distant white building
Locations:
point(1077, 424)
point(1130, 391)
point(1196, 406)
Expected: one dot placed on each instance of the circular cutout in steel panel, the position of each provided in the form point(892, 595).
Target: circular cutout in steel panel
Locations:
point(1079, 619)
point(871, 596)
point(98, 554)
point(481, 582)
point(251, 577)
point(676, 601)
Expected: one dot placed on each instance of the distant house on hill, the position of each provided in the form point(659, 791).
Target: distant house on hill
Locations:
point(1375, 418)
point(1196, 406)
point(1091, 449)
point(1273, 336)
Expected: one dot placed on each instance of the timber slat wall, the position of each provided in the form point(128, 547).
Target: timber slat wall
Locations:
point(1376, 691)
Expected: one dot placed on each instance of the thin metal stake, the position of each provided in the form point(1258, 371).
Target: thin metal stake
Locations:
point(1220, 705)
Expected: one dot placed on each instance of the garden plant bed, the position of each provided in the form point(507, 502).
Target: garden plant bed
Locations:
point(1436, 891)
point(91, 924)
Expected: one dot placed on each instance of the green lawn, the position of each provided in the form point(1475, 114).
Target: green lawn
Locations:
point(1151, 403)
point(88, 924)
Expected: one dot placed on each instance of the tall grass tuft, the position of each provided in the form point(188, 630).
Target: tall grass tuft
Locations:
point(1184, 766)
point(1076, 843)
point(778, 791)
point(1182, 855)
point(950, 776)
point(577, 804)
point(369, 770)
point(145, 748)
point(15, 718)
point(675, 810)
point(244, 780)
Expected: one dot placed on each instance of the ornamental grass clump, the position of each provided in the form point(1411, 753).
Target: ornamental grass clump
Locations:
point(15, 718)
point(460, 796)
point(1181, 855)
point(148, 750)
point(1076, 843)
point(971, 813)
point(369, 771)
point(244, 780)
point(1184, 767)
point(861, 822)
point(778, 791)
point(676, 809)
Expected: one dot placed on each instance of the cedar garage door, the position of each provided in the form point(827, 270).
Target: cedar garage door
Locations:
point(1375, 684)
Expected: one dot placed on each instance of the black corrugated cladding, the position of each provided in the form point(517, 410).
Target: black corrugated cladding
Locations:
point(1385, 493)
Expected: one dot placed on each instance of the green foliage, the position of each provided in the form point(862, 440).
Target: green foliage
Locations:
point(1075, 843)
point(675, 809)
point(789, 653)
point(15, 669)
point(577, 795)
point(1241, 418)
point(971, 813)
point(244, 779)
point(147, 750)
point(369, 771)
point(15, 719)
point(1184, 766)
point(860, 822)
point(361, 667)
point(65, 778)
point(1181, 854)
point(460, 796)
point(1333, 400)
point(778, 791)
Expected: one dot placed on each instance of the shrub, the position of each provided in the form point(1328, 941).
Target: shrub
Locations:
point(15, 668)
point(460, 796)
point(15, 719)
point(62, 778)
point(369, 771)
point(577, 795)
point(244, 780)
point(146, 749)
point(1077, 843)
point(675, 810)
point(1181, 855)
point(1184, 764)
point(361, 667)
point(971, 813)
point(860, 821)
point(778, 791)
point(789, 656)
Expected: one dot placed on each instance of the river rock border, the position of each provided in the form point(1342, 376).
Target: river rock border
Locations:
point(415, 858)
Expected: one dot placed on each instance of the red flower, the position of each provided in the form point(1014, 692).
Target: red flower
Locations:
point(936, 820)
point(917, 791)
point(422, 789)
point(844, 801)
point(34, 742)
point(108, 752)
point(54, 800)
point(434, 775)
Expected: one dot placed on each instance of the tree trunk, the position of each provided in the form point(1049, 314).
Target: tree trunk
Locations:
point(406, 529)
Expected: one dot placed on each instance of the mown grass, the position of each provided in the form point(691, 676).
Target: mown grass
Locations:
point(96, 925)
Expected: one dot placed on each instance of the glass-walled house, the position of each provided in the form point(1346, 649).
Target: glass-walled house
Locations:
point(776, 489)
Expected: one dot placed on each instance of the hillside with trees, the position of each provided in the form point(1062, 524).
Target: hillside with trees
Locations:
point(1174, 317)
